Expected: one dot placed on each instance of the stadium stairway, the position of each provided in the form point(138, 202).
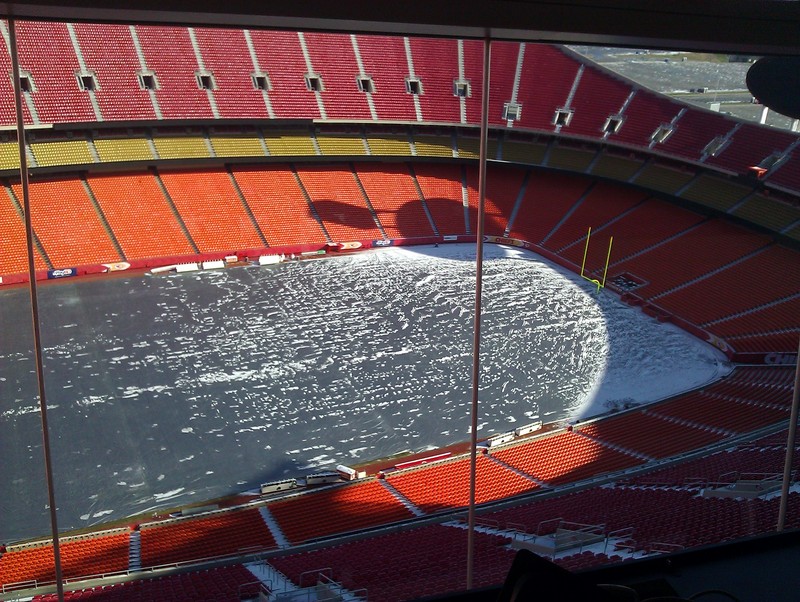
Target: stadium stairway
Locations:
point(135, 551)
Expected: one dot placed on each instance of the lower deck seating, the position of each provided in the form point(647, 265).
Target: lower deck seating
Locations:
point(225, 584)
point(644, 226)
point(719, 412)
point(442, 190)
point(767, 342)
point(724, 466)
point(80, 557)
point(564, 458)
point(548, 198)
point(657, 515)
point(337, 510)
point(339, 202)
point(159, 235)
point(636, 431)
point(67, 224)
point(212, 210)
point(218, 534)
point(765, 277)
point(278, 205)
point(404, 565)
point(699, 251)
point(603, 203)
point(503, 186)
point(395, 199)
point(445, 486)
point(766, 321)
point(13, 251)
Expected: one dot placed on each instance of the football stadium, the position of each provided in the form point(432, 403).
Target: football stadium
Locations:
point(254, 257)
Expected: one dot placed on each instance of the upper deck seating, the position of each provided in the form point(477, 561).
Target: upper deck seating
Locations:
point(178, 89)
point(109, 52)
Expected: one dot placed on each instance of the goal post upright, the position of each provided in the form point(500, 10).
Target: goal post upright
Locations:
point(608, 259)
point(605, 269)
point(586, 251)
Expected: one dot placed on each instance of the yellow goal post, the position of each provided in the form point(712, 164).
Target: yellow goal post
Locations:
point(600, 284)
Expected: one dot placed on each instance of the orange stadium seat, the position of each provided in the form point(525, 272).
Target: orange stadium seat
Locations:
point(391, 190)
point(67, 224)
point(337, 510)
point(339, 202)
point(212, 210)
point(445, 486)
point(158, 235)
point(278, 204)
point(13, 251)
point(219, 534)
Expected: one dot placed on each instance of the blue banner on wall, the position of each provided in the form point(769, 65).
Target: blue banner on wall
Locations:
point(62, 273)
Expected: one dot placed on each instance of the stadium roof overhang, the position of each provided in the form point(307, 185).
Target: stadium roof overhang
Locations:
point(743, 26)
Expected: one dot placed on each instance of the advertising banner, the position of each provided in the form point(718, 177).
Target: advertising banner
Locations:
point(62, 273)
point(117, 267)
point(502, 240)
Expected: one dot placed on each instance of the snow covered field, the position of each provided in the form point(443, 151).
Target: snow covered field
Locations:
point(179, 388)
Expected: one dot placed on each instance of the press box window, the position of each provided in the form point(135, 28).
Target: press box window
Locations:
point(512, 111)
point(314, 83)
point(365, 84)
point(25, 82)
point(663, 132)
point(612, 124)
point(205, 81)
point(716, 146)
point(413, 86)
point(147, 81)
point(563, 117)
point(260, 81)
point(772, 161)
point(86, 81)
point(461, 89)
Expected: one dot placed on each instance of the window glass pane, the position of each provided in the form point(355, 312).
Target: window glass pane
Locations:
point(257, 304)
